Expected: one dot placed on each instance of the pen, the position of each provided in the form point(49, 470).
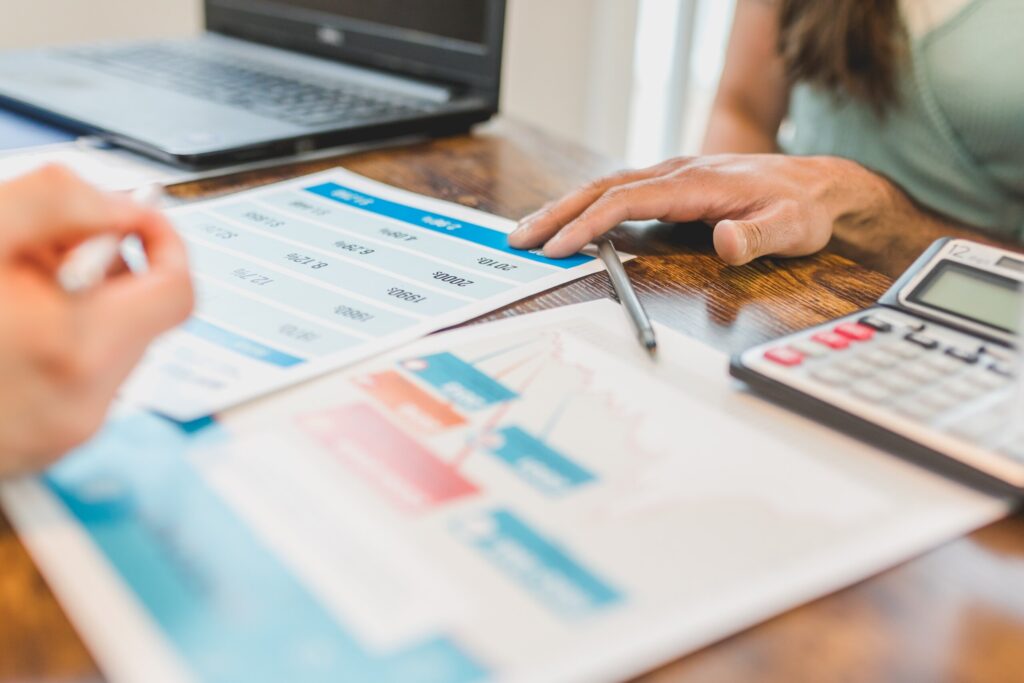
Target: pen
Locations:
point(88, 263)
point(627, 296)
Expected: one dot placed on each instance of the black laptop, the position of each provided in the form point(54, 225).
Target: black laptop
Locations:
point(275, 77)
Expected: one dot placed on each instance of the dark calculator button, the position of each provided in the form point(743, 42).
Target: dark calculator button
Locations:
point(922, 341)
point(1001, 369)
point(876, 324)
point(966, 356)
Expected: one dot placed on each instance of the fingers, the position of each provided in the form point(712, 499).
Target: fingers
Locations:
point(124, 314)
point(539, 227)
point(53, 206)
point(639, 201)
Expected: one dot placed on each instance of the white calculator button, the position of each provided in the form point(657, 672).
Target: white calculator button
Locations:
point(942, 363)
point(962, 389)
point(857, 367)
point(810, 349)
point(871, 391)
point(986, 379)
point(880, 358)
point(906, 350)
point(831, 376)
point(920, 372)
point(938, 400)
point(898, 384)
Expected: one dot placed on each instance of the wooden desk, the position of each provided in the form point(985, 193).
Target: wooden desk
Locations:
point(954, 614)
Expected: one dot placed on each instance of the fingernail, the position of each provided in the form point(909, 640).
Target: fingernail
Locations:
point(522, 228)
point(741, 241)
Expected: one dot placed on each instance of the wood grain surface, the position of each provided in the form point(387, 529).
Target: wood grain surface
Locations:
point(955, 614)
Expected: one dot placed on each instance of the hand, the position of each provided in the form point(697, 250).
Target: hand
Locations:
point(63, 356)
point(759, 204)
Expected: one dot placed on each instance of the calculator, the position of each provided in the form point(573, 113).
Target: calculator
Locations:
point(927, 373)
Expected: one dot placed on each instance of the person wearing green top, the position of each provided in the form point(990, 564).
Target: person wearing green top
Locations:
point(869, 118)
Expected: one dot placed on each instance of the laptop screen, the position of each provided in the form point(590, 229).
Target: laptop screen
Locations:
point(451, 40)
point(457, 23)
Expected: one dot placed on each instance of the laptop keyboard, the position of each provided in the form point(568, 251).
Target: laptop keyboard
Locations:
point(250, 85)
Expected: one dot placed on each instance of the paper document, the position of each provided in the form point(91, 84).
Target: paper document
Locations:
point(528, 500)
point(309, 275)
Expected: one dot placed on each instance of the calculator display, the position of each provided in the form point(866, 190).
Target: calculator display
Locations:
point(976, 295)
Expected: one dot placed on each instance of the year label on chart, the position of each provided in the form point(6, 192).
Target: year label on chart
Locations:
point(406, 295)
point(497, 265)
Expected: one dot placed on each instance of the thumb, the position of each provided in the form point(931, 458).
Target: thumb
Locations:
point(739, 242)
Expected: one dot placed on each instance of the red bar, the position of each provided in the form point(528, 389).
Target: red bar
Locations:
point(395, 464)
point(409, 403)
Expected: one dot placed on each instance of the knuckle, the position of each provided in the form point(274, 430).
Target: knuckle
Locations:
point(58, 175)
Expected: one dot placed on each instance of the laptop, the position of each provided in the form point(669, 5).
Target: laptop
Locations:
point(274, 77)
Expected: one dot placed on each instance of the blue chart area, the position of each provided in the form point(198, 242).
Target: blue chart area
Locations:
point(226, 604)
point(459, 382)
point(537, 564)
point(536, 461)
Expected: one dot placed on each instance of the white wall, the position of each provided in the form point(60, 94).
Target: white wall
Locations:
point(27, 23)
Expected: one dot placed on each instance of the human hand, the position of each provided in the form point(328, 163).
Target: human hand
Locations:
point(759, 204)
point(63, 356)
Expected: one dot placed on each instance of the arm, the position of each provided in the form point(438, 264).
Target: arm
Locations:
point(753, 93)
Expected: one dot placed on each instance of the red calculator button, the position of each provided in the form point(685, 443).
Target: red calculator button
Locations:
point(856, 331)
point(832, 340)
point(784, 356)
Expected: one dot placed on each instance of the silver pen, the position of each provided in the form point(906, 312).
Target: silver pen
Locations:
point(87, 265)
point(627, 296)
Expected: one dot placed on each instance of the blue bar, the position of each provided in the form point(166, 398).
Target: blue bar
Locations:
point(239, 344)
point(493, 239)
point(20, 132)
point(537, 564)
point(229, 607)
point(538, 463)
point(459, 381)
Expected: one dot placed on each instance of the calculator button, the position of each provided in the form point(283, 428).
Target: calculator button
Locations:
point(857, 367)
point(784, 356)
point(919, 372)
point(906, 350)
point(809, 349)
point(856, 331)
point(938, 400)
point(962, 389)
point(942, 363)
point(876, 323)
point(1001, 369)
point(899, 384)
point(986, 379)
point(880, 358)
point(967, 356)
point(831, 376)
point(871, 391)
point(921, 340)
point(832, 340)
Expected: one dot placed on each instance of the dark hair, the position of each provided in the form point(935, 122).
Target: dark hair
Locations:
point(852, 48)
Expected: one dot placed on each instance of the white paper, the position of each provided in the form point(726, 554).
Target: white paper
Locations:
point(293, 283)
point(396, 494)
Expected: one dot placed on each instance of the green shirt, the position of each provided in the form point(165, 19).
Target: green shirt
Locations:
point(955, 141)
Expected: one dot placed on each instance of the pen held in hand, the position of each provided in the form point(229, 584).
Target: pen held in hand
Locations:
point(89, 263)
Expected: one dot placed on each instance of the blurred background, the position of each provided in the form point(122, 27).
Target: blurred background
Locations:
point(632, 79)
